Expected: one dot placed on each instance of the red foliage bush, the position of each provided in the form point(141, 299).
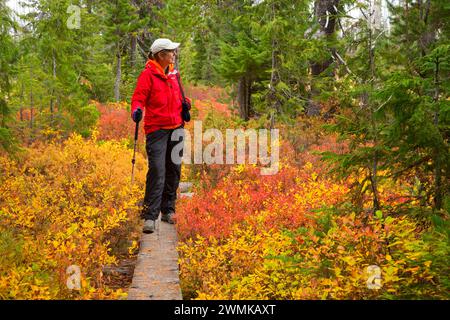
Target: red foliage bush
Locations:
point(283, 200)
point(115, 122)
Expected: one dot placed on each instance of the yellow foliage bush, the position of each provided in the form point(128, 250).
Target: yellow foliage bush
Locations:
point(326, 261)
point(63, 205)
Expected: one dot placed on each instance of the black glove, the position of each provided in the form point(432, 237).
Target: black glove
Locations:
point(137, 115)
point(185, 114)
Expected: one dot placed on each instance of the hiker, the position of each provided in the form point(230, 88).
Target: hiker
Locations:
point(158, 97)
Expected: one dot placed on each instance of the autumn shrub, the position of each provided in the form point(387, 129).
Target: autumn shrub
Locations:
point(202, 175)
point(115, 122)
point(229, 194)
point(200, 92)
point(324, 259)
point(297, 235)
point(246, 200)
point(63, 205)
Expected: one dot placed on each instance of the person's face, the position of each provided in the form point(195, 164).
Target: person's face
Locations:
point(167, 57)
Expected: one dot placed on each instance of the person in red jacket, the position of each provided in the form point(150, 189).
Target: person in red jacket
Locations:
point(158, 98)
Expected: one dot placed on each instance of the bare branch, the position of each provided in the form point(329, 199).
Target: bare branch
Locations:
point(363, 13)
point(342, 61)
point(384, 103)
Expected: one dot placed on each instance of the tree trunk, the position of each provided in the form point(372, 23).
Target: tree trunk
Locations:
point(89, 6)
point(274, 80)
point(133, 50)
point(54, 82)
point(31, 98)
point(428, 36)
point(244, 97)
point(21, 102)
point(274, 102)
point(31, 107)
point(325, 13)
point(118, 75)
point(371, 59)
point(58, 109)
point(438, 194)
point(377, 14)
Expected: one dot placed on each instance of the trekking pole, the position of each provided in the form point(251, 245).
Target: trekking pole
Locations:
point(133, 161)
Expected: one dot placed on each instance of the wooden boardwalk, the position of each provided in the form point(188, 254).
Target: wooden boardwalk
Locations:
point(156, 275)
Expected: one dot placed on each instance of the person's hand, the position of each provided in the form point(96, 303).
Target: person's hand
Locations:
point(185, 114)
point(187, 104)
point(137, 115)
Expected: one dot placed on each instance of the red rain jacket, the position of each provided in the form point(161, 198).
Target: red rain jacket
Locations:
point(159, 97)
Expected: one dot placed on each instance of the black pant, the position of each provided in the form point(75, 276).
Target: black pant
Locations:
point(163, 176)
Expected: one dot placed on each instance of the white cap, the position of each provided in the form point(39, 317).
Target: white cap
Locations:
point(163, 44)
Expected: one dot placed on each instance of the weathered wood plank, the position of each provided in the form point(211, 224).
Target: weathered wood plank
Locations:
point(156, 273)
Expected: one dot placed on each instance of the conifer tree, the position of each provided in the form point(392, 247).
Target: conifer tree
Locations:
point(244, 57)
point(121, 21)
point(419, 90)
point(280, 96)
point(8, 55)
point(396, 113)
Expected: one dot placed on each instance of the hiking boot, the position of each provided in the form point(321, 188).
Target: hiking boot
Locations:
point(149, 226)
point(168, 217)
